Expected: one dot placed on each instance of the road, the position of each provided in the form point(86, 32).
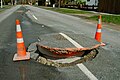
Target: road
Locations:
point(35, 22)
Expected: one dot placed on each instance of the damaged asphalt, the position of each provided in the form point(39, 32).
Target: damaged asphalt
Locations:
point(105, 66)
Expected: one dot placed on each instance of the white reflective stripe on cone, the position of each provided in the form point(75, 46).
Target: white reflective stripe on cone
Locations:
point(98, 30)
point(20, 40)
point(99, 21)
point(18, 28)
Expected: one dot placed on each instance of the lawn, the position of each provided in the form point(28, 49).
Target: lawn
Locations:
point(115, 19)
point(108, 18)
point(5, 7)
point(67, 11)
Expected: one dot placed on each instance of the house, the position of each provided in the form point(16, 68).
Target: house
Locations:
point(90, 5)
point(91, 2)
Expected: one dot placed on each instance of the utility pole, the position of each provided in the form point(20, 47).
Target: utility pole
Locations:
point(1, 4)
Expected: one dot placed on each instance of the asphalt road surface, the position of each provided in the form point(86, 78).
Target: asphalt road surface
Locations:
point(35, 22)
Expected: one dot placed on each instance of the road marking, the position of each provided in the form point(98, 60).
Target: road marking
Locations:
point(81, 66)
point(34, 17)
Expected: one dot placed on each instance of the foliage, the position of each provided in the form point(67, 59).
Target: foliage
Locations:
point(80, 1)
point(7, 1)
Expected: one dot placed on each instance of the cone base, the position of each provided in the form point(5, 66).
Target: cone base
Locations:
point(19, 58)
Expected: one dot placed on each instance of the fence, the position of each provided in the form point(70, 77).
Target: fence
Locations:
point(83, 7)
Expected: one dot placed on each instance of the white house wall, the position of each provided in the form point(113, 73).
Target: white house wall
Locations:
point(91, 2)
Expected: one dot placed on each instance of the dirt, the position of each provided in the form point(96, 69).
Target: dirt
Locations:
point(85, 58)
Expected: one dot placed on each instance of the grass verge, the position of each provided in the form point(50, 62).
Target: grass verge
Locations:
point(5, 7)
point(67, 11)
point(115, 19)
point(108, 19)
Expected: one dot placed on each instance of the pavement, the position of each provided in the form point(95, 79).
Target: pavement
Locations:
point(36, 22)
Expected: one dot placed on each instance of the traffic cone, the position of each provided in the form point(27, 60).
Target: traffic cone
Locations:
point(21, 50)
point(98, 34)
point(98, 30)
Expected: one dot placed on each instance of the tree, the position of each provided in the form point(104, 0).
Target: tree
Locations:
point(7, 1)
point(80, 1)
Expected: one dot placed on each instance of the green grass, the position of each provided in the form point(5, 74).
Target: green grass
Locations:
point(5, 7)
point(115, 19)
point(68, 11)
point(108, 18)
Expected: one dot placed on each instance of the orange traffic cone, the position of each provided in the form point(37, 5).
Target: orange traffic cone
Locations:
point(98, 34)
point(21, 50)
point(98, 30)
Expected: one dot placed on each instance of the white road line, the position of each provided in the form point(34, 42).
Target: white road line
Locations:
point(35, 17)
point(81, 66)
